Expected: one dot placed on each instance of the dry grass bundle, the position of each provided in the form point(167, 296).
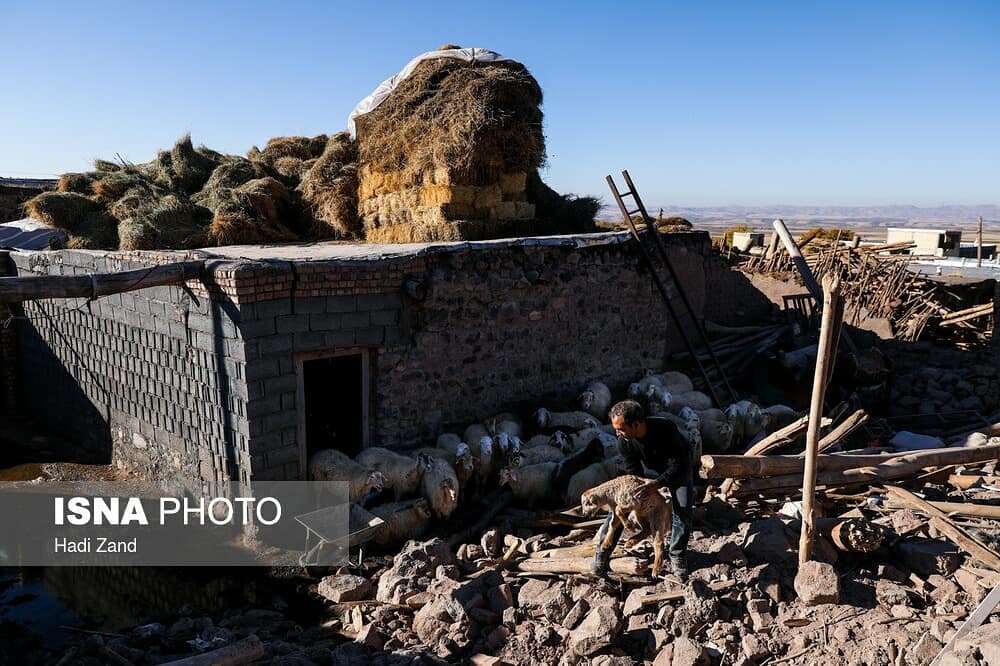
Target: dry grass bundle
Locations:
point(330, 189)
point(106, 166)
point(113, 186)
point(183, 168)
point(77, 182)
point(478, 120)
point(291, 169)
point(560, 213)
point(300, 147)
point(255, 214)
point(165, 223)
point(96, 231)
point(63, 210)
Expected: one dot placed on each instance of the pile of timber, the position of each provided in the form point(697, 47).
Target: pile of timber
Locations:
point(877, 281)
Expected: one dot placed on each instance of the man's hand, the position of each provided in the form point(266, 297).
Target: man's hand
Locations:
point(646, 491)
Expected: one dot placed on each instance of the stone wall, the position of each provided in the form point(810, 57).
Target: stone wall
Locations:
point(204, 381)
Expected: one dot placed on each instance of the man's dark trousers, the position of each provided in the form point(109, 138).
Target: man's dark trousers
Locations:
point(681, 486)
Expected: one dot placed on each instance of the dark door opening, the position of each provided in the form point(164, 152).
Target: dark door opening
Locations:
point(335, 407)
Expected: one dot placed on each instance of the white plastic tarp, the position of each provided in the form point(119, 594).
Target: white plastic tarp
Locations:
point(385, 88)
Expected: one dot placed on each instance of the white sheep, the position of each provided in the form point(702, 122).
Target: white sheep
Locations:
point(530, 484)
point(637, 390)
point(675, 382)
point(463, 464)
point(694, 399)
point(439, 486)
point(461, 457)
point(542, 453)
point(777, 417)
point(657, 399)
point(474, 433)
point(692, 431)
point(591, 476)
point(596, 400)
point(558, 439)
point(746, 420)
point(333, 465)
point(608, 441)
point(402, 473)
point(716, 430)
point(547, 420)
point(505, 422)
point(486, 456)
point(403, 520)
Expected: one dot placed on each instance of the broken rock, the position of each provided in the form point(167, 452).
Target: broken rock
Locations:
point(344, 587)
point(768, 541)
point(412, 570)
point(817, 583)
point(701, 601)
point(598, 630)
point(688, 652)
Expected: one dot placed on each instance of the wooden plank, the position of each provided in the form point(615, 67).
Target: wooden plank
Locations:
point(673, 595)
point(974, 620)
point(16, 289)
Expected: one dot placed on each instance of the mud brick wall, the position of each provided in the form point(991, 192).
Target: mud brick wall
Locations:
point(152, 380)
point(202, 382)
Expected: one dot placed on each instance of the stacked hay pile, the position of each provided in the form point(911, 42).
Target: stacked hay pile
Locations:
point(296, 188)
point(453, 154)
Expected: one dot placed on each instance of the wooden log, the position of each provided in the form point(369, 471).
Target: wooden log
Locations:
point(842, 431)
point(899, 467)
point(244, 651)
point(747, 467)
point(851, 535)
point(955, 508)
point(967, 314)
point(16, 289)
point(825, 355)
point(622, 565)
point(800, 263)
point(775, 440)
point(945, 526)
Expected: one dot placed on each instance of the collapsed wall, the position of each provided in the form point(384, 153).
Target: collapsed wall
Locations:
point(209, 384)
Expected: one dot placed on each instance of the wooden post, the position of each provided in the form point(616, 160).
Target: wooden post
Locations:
point(979, 244)
point(824, 358)
point(797, 258)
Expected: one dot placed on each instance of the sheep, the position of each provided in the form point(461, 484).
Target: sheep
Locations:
point(558, 439)
point(402, 473)
point(608, 441)
point(448, 440)
point(777, 417)
point(693, 399)
point(463, 464)
point(460, 457)
point(716, 430)
point(591, 476)
point(333, 465)
point(530, 484)
point(474, 433)
point(546, 420)
point(675, 382)
point(403, 520)
point(596, 400)
point(439, 486)
point(653, 515)
point(637, 390)
point(657, 398)
point(799, 361)
point(484, 453)
point(746, 420)
point(542, 453)
point(504, 422)
point(692, 432)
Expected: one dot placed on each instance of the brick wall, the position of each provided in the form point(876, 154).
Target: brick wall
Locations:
point(204, 381)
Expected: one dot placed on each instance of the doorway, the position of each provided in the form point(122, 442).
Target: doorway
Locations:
point(333, 402)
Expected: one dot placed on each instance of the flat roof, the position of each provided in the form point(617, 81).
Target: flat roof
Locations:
point(934, 231)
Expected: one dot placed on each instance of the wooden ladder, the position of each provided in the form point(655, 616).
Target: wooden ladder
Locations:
point(665, 277)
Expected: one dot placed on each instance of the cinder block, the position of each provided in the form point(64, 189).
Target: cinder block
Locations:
point(379, 301)
point(325, 322)
point(385, 317)
point(309, 341)
point(310, 305)
point(341, 304)
point(257, 328)
point(297, 323)
point(340, 339)
point(276, 308)
point(369, 336)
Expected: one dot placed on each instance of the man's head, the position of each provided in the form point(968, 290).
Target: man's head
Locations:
point(628, 419)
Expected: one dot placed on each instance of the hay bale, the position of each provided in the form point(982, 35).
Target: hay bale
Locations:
point(76, 182)
point(300, 147)
point(166, 223)
point(560, 213)
point(477, 120)
point(106, 166)
point(254, 214)
point(329, 190)
point(113, 186)
point(62, 210)
point(96, 231)
point(191, 167)
point(230, 174)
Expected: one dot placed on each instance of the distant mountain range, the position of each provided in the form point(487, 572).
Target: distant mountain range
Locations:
point(843, 215)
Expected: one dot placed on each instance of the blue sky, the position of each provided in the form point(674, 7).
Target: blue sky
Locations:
point(710, 103)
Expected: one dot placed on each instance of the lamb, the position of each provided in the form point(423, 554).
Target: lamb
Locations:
point(332, 465)
point(558, 439)
point(694, 399)
point(402, 473)
point(591, 476)
point(674, 382)
point(651, 516)
point(542, 453)
point(547, 420)
point(716, 430)
point(530, 484)
point(596, 400)
point(403, 520)
point(439, 486)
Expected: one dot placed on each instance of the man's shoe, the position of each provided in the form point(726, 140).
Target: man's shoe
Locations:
point(600, 563)
point(679, 569)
